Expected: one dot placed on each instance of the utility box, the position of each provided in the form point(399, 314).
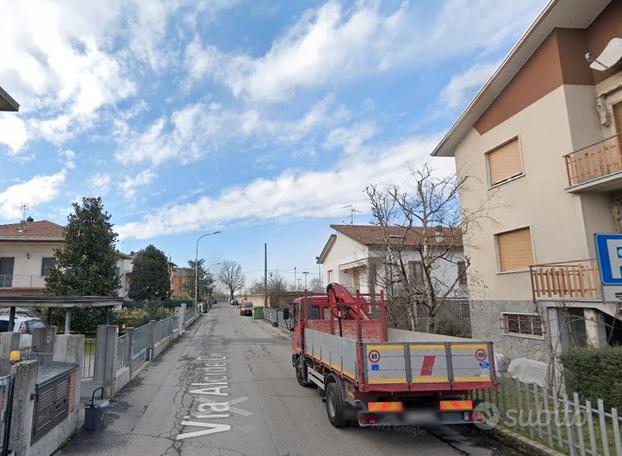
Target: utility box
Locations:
point(258, 313)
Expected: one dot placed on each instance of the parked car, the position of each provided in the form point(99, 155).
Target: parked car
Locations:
point(246, 309)
point(24, 324)
point(233, 302)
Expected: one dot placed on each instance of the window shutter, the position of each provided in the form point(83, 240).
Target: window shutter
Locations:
point(504, 162)
point(515, 250)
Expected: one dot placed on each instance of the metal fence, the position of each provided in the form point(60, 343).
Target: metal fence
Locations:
point(6, 402)
point(566, 424)
point(140, 343)
point(164, 328)
point(276, 316)
point(120, 361)
point(191, 313)
point(88, 364)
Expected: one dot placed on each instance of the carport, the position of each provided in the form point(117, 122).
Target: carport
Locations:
point(68, 303)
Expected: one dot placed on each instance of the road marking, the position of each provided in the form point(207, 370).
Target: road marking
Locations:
point(215, 382)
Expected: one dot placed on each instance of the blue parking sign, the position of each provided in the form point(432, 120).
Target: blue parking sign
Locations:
point(609, 256)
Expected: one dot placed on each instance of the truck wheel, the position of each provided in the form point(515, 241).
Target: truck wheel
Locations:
point(301, 374)
point(335, 406)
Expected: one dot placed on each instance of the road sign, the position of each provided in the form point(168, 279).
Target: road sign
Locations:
point(609, 256)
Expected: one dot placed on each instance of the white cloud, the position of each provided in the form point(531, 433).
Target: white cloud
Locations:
point(130, 184)
point(291, 195)
point(333, 44)
point(100, 183)
point(350, 139)
point(70, 158)
point(36, 191)
point(13, 132)
point(197, 129)
point(461, 85)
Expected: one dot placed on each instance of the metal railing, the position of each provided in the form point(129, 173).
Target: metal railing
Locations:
point(88, 364)
point(140, 344)
point(21, 281)
point(121, 361)
point(594, 161)
point(568, 424)
point(164, 328)
point(570, 279)
point(276, 316)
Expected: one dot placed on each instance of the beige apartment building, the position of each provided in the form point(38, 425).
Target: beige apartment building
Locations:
point(541, 146)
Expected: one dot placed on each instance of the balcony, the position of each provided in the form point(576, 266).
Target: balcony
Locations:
point(597, 167)
point(572, 280)
point(13, 282)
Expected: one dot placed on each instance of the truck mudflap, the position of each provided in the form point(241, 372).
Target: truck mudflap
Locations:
point(396, 413)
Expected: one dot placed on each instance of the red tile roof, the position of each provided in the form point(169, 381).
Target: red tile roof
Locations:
point(43, 230)
point(373, 235)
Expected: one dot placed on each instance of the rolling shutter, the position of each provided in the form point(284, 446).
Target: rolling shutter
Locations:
point(504, 162)
point(515, 251)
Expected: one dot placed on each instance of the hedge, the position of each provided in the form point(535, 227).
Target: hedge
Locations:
point(595, 373)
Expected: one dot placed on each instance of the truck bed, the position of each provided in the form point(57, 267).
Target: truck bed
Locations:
point(407, 361)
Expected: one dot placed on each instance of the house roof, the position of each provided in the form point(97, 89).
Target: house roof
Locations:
point(42, 230)
point(7, 103)
point(372, 235)
point(557, 14)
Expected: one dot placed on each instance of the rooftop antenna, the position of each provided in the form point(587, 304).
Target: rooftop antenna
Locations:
point(24, 207)
point(352, 211)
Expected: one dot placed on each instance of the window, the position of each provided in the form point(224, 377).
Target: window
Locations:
point(465, 310)
point(47, 263)
point(504, 162)
point(514, 249)
point(416, 273)
point(330, 276)
point(523, 324)
point(462, 277)
point(6, 272)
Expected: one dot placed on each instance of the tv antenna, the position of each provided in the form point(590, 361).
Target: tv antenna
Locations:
point(352, 211)
point(24, 207)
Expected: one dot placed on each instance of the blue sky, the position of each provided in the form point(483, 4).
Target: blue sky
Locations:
point(262, 119)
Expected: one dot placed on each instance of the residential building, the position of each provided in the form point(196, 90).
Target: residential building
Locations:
point(27, 254)
point(355, 256)
point(7, 103)
point(540, 146)
point(179, 281)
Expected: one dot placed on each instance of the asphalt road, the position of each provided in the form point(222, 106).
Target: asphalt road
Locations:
point(227, 388)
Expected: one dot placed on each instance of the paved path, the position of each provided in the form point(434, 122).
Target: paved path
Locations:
point(245, 401)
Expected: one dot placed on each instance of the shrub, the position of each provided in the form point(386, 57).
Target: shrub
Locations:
point(594, 373)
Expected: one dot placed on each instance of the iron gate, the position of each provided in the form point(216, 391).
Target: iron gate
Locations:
point(6, 407)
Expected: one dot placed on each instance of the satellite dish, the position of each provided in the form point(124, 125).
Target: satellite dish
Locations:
point(609, 57)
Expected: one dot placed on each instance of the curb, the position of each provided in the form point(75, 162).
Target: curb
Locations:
point(521, 443)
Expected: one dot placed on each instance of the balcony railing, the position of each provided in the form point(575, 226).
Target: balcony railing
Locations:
point(567, 280)
point(21, 281)
point(594, 161)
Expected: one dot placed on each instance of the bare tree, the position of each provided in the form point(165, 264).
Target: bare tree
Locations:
point(315, 285)
point(424, 217)
point(231, 276)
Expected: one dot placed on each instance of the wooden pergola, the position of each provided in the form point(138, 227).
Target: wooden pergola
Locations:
point(57, 302)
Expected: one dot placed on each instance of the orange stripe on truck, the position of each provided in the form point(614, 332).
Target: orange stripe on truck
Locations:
point(456, 406)
point(385, 406)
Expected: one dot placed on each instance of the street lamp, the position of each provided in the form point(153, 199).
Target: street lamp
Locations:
point(196, 268)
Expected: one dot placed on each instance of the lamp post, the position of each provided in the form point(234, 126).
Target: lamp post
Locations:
point(196, 267)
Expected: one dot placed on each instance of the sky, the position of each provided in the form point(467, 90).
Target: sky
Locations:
point(261, 119)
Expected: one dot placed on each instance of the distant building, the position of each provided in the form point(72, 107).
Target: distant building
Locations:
point(180, 278)
point(355, 257)
point(542, 141)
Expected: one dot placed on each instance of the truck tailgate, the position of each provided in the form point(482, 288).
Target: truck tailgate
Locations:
point(444, 365)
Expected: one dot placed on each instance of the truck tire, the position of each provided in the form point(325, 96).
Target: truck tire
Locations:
point(335, 406)
point(301, 374)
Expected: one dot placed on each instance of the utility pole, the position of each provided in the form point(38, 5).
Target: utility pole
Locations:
point(196, 267)
point(306, 273)
point(295, 281)
point(265, 274)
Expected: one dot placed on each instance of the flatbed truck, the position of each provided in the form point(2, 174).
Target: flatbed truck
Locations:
point(371, 375)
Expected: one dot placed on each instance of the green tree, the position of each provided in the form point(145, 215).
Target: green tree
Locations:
point(150, 275)
point(86, 265)
point(206, 280)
